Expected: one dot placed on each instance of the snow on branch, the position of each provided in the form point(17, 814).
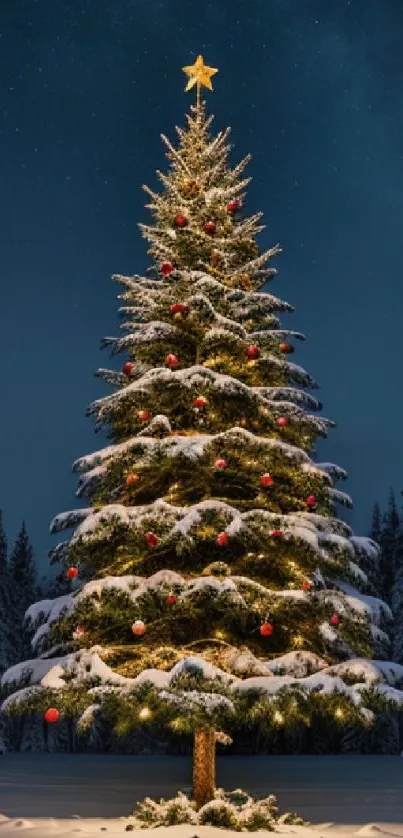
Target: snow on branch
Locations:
point(366, 548)
point(341, 497)
point(145, 333)
point(192, 701)
point(378, 609)
point(65, 520)
point(194, 377)
point(285, 395)
point(192, 447)
point(276, 334)
point(335, 471)
point(264, 301)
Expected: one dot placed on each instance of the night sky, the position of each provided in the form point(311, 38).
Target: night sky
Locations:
point(314, 90)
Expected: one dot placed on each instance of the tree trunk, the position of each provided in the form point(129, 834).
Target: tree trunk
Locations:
point(203, 766)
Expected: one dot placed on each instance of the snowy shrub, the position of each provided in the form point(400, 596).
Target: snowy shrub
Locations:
point(153, 813)
point(218, 813)
point(236, 810)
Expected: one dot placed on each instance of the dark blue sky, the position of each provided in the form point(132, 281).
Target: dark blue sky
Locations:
point(314, 90)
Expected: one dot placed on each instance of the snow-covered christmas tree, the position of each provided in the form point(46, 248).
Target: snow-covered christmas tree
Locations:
point(213, 580)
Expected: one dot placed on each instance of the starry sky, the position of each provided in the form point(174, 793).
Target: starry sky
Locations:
point(314, 90)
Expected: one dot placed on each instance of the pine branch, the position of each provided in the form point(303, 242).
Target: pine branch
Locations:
point(176, 155)
point(255, 264)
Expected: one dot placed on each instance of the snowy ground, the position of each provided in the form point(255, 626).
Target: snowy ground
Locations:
point(41, 794)
point(96, 828)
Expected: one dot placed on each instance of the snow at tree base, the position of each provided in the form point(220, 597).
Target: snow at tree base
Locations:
point(214, 586)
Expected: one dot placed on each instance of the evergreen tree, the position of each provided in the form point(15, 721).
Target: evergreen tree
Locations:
point(397, 595)
point(373, 568)
point(209, 555)
point(22, 582)
point(389, 546)
point(376, 523)
point(7, 635)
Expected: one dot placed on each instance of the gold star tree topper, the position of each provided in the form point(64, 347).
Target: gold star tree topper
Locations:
point(198, 73)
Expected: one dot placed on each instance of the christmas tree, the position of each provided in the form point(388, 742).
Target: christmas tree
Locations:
point(213, 584)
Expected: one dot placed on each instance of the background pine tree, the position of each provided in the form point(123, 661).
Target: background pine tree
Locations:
point(22, 589)
point(7, 629)
point(387, 530)
point(397, 594)
point(373, 569)
point(376, 523)
point(389, 541)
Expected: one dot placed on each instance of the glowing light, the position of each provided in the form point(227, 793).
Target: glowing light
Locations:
point(339, 713)
point(144, 713)
point(278, 717)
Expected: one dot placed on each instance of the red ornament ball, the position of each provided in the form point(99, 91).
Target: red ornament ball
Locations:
point(167, 268)
point(144, 415)
point(266, 480)
point(220, 463)
point(51, 715)
point(282, 421)
point(171, 598)
point(127, 368)
point(72, 572)
point(222, 539)
point(276, 534)
point(179, 308)
point(286, 348)
point(252, 352)
point(152, 539)
point(181, 220)
point(233, 205)
point(131, 480)
point(209, 227)
point(214, 256)
point(78, 632)
point(311, 501)
point(172, 361)
point(306, 585)
point(138, 628)
point(334, 620)
point(200, 401)
point(266, 629)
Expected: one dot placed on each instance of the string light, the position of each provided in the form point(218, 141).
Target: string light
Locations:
point(278, 717)
point(144, 713)
point(339, 713)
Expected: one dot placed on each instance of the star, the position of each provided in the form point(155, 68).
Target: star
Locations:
point(199, 74)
